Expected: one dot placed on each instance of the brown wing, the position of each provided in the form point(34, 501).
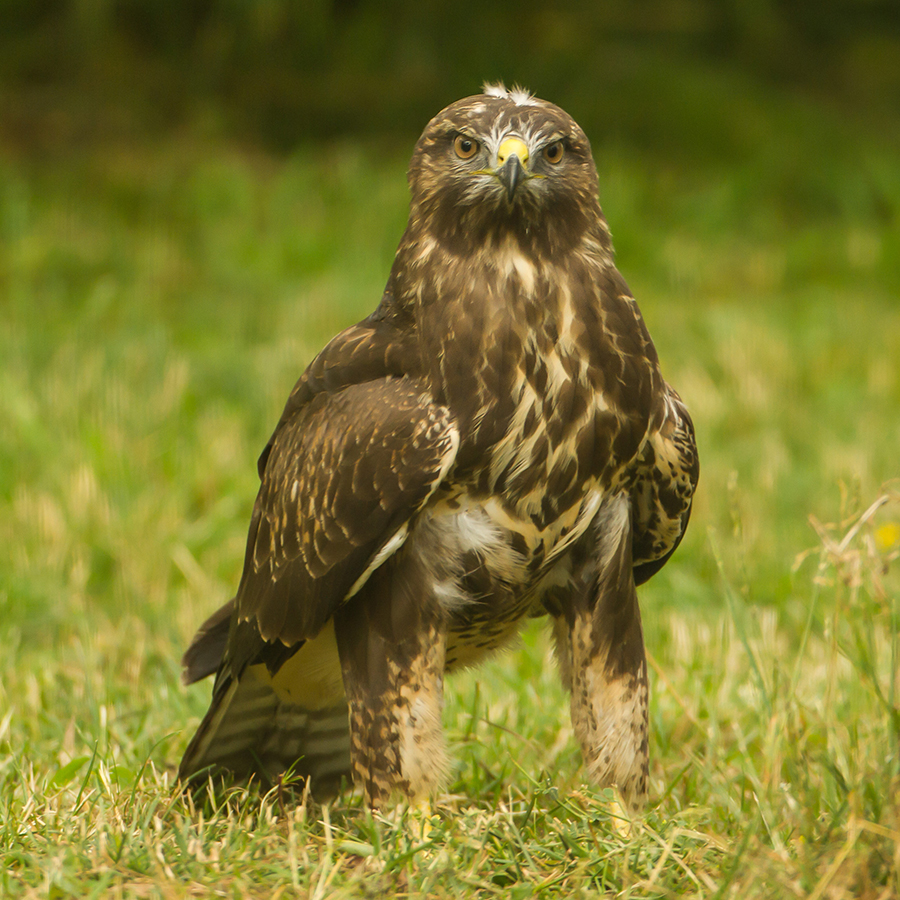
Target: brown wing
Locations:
point(381, 346)
point(666, 477)
point(204, 655)
point(343, 478)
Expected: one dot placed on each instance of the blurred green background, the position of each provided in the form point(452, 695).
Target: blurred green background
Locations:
point(195, 196)
point(653, 74)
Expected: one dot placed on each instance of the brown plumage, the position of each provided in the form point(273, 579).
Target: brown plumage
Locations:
point(494, 441)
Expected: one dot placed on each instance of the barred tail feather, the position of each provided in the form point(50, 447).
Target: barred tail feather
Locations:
point(250, 731)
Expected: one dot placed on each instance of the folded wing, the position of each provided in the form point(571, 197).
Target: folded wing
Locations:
point(350, 465)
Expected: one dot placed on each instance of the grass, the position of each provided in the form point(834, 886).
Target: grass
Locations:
point(158, 301)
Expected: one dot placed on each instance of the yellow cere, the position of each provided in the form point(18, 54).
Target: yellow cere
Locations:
point(512, 146)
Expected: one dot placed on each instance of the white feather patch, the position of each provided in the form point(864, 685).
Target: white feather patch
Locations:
point(518, 95)
point(613, 517)
point(388, 549)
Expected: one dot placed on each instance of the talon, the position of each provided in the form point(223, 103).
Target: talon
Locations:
point(422, 812)
point(620, 817)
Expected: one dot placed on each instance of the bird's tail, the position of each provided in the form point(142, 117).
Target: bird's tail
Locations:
point(253, 729)
point(250, 732)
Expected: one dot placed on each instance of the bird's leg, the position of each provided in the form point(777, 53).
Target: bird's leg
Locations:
point(600, 648)
point(396, 737)
point(392, 648)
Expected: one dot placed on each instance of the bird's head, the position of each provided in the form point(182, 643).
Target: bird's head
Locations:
point(500, 161)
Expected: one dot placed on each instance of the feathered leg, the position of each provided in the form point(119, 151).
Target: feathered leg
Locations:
point(392, 644)
point(600, 647)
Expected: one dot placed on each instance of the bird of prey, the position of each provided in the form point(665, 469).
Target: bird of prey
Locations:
point(495, 441)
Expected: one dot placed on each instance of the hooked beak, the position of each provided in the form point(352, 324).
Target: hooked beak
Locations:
point(512, 159)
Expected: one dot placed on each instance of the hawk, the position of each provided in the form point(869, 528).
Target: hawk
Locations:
point(495, 441)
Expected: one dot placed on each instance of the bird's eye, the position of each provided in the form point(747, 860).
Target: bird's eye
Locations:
point(553, 153)
point(465, 147)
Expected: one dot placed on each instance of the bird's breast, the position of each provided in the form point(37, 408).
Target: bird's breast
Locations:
point(488, 567)
point(553, 435)
point(532, 360)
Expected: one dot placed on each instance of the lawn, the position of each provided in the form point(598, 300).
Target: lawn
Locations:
point(159, 297)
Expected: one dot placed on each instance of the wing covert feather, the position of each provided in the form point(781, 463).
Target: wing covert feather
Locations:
point(663, 491)
point(344, 476)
